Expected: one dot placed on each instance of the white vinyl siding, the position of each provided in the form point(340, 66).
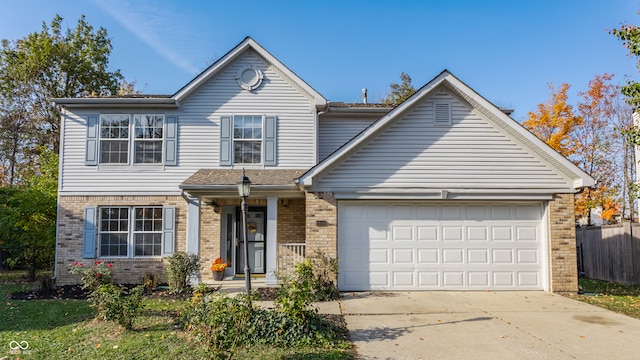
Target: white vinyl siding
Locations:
point(441, 246)
point(335, 132)
point(198, 134)
point(471, 153)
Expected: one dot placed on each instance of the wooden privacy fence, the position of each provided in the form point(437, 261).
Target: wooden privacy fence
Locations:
point(610, 252)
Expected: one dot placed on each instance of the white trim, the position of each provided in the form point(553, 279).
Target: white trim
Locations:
point(193, 232)
point(272, 241)
point(546, 246)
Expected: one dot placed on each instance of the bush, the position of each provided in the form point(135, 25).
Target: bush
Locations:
point(325, 273)
point(181, 267)
point(114, 304)
point(223, 323)
point(94, 275)
point(296, 293)
point(150, 281)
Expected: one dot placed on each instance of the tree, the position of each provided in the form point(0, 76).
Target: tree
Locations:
point(400, 92)
point(630, 37)
point(554, 121)
point(594, 139)
point(45, 65)
point(28, 217)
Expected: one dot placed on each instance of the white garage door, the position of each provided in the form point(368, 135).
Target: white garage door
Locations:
point(438, 246)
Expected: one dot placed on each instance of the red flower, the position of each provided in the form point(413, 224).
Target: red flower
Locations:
point(75, 263)
point(109, 264)
point(97, 262)
point(98, 274)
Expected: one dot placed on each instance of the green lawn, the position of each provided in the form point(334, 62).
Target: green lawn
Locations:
point(623, 299)
point(66, 329)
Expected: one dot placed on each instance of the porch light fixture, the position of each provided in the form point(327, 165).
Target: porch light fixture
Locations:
point(244, 188)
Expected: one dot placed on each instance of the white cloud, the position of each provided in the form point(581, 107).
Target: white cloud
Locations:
point(156, 26)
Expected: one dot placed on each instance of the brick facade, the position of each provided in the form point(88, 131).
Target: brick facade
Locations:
point(130, 270)
point(321, 224)
point(562, 244)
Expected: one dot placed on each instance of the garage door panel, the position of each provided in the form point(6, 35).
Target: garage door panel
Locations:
point(427, 233)
point(428, 279)
point(453, 278)
point(478, 279)
point(453, 247)
point(378, 256)
point(402, 233)
point(478, 256)
point(428, 256)
point(403, 256)
point(452, 233)
point(403, 279)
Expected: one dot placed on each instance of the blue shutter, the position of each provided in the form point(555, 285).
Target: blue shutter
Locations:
point(270, 141)
point(168, 230)
point(171, 141)
point(89, 233)
point(91, 155)
point(226, 140)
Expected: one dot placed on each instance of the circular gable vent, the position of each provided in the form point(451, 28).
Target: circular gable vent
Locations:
point(249, 78)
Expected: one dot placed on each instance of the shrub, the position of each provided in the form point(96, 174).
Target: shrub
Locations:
point(181, 267)
point(94, 275)
point(325, 273)
point(223, 323)
point(296, 293)
point(150, 281)
point(114, 304)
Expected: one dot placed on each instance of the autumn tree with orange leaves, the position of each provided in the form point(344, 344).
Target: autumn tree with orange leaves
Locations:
point(589, 138)
point(554, 122)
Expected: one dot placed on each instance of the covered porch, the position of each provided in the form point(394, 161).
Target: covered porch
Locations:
point(276, 222)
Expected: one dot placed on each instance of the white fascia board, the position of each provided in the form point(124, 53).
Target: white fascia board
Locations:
point(89, 192)
point(435, 196)
point(320, 101)
point(158, 102)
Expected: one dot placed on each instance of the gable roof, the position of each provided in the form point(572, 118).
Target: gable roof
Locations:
point(578, 178)
point(248, 43)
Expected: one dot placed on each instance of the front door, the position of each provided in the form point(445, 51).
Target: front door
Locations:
point(232, 239)
point(256, 226)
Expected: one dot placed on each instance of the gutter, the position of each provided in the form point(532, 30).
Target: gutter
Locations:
point(169, 103)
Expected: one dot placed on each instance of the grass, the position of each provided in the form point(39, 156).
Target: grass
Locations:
point(620, 298)
point(66, 329)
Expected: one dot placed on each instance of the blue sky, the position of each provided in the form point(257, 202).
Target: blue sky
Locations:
point(508, 51)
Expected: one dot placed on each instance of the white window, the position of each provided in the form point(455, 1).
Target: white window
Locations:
point(130, 231)
point(116, 139)
point(247, 139)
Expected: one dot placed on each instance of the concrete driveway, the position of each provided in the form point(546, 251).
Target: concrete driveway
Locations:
point(485, 325)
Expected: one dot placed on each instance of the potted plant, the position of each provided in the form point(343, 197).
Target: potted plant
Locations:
point(217, 267)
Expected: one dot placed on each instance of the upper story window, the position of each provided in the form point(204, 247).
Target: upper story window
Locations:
point(247, 139)
point(116, 141)
point(148, 139)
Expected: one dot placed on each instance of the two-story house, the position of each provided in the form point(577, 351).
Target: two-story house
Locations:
point(444, 191)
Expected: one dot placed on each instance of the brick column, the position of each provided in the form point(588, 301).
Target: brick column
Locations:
point(562, 244)
point(321, 231)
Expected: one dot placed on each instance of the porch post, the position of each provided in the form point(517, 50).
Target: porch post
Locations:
point(272, 241)
point(193, 230)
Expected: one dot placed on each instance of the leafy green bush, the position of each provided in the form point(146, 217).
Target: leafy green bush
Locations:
point(181, 267)
point(94, 275)
point(296, 293)
point(114, 304)
point(224, 323)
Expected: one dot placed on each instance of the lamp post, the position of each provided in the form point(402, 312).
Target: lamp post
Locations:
point(244, 187)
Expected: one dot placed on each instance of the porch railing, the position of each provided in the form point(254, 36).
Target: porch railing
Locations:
point(288, 256)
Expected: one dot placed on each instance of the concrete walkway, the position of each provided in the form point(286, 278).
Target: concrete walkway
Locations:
point(485, 325)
